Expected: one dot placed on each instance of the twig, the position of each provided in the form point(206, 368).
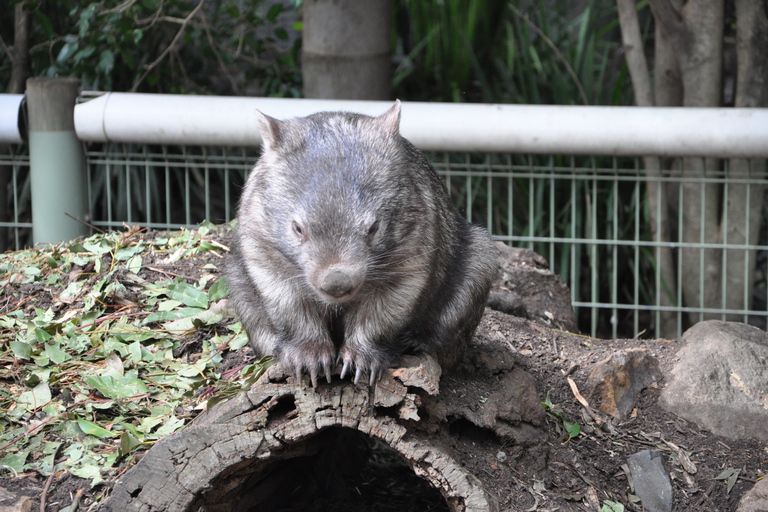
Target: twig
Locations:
point(555, 49)
point(81, 221)
point(120, 8)
point(170, 47)
point(45, 490)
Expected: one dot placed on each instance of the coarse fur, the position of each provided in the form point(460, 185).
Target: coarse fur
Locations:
point(348, 249)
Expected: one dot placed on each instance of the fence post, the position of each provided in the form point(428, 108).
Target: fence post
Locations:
point(56, 160)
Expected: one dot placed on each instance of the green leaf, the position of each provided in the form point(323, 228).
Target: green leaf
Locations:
point(134, 263)
point(55, 354)
point(91, 471)
point(188, 294)
point(176, 314)
point(218, 290)
point(125, 253)
point(573, 429)
point(21, 350)
point(15, 461)
point(127, 444)
point(612, 506)
point(37, 397)
point(274, 11)
point(93, 429)
point(122, 387)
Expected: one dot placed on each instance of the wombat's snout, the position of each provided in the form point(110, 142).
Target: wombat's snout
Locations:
point(338, 283)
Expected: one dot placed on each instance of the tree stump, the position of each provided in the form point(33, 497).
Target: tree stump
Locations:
point(283, 442)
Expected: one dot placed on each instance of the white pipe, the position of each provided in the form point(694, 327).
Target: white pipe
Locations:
point(10, 118)
point(632, 131)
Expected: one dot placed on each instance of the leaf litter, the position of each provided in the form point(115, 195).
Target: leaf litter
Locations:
point(96, 361)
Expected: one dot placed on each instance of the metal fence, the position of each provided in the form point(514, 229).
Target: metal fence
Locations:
point(587, 215)
point(596, 219)
point(15, 215)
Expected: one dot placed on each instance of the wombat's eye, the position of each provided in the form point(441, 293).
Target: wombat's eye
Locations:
point(373, 230)
point(298, 231)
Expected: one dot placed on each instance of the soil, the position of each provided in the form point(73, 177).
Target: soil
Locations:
point(561, 474)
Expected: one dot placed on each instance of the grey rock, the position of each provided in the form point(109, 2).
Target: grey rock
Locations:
point(721, 380)
point(756, 499)
point(651, 481)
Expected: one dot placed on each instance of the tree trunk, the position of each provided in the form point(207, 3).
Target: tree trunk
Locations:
point(665, 283)
point(20, 69)
point(696, 33)
point(745, 201)
point(346, 49)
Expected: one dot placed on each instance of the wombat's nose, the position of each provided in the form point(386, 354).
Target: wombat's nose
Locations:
point(337, 283)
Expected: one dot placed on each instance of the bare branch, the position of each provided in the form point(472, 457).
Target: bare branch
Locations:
point(634, 53)
point(120, 8)
point(170, 47)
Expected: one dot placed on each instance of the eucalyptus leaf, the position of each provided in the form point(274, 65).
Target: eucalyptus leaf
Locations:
point(93, 429)
point(188, 295)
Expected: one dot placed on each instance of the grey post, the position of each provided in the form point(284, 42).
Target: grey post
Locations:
point(57, 163)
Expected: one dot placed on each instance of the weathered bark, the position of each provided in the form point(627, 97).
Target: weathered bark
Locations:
point(21, 66)
point(696, 32)
point(346, 49)
point(745, 201)
point(666, 286)
point(249, 450)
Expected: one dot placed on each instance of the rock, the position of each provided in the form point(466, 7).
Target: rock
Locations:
point(650, 480)
point(527, 288)
point(755, 499)
point(616, 382)
point(721, 379)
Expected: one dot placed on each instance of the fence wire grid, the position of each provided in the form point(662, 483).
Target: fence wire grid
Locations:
point(588, 215)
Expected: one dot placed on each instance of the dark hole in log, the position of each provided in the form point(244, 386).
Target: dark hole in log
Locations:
point(467, 431)
point(342, 470)
point(285, 408)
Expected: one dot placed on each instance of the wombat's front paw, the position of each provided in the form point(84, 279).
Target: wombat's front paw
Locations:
point(372, 363)
point(313, 357)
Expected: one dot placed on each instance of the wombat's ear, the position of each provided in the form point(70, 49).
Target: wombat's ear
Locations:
point(270, 130)
point(390, 119)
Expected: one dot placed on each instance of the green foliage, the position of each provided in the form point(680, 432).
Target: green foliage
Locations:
point(509, 51)
point(176, 46)
point(93, 365)
point(571, 429)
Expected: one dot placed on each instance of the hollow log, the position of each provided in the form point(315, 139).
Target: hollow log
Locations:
point(284, 444)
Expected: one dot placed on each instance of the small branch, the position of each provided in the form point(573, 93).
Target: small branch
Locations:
point(634, 53)
point(44, 496)
point(120, 8)
point(170, 47)
point(555, 49)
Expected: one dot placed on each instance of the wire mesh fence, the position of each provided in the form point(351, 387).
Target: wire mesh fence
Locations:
point(596, 219)
point(15, 214)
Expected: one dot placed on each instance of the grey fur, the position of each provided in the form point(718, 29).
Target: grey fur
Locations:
point(348, 249)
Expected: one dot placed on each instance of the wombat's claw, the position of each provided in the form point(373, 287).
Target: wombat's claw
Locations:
point(313, 376)
point(358, 373)
point(344, 369)
point(327, 368)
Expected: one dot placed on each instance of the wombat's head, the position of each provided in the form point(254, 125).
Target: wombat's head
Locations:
point(338, 199)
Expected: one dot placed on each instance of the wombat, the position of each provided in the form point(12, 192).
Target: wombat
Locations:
point(348, 249)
